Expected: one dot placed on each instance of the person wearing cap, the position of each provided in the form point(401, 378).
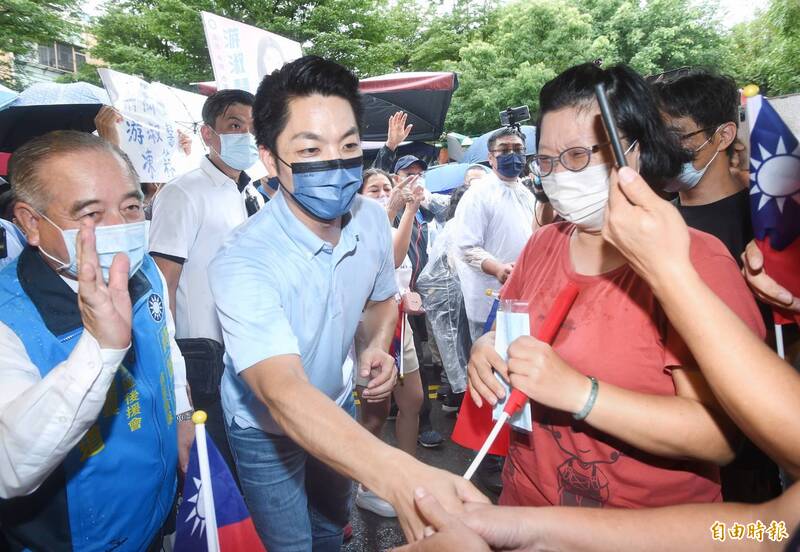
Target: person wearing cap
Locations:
point(494, 221)
point(436, 204)
point(410, 165)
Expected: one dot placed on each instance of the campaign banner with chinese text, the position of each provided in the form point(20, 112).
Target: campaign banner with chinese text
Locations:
point(242, 54)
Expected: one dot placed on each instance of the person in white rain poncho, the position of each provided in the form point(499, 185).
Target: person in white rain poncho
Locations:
point(494, 221)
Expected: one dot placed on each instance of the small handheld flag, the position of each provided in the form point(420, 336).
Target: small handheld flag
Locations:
point(212, 516)
point(775, 196)
point(477, 418)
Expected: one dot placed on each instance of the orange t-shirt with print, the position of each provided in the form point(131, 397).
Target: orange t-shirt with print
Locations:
point(617, 332)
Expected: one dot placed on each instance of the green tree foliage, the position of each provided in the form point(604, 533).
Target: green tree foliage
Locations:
point(503, 52)
point(25, 23)
point(534, 40)
point(444, 35)
point(657, 35)
point(163, 39)
point(766, 51)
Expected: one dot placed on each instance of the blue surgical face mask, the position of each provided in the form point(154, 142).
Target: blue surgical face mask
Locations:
point(326, 189)
point(131, 239)
point(238, 151)
point(511, 164)
point(690, 177)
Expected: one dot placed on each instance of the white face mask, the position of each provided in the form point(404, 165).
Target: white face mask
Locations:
point(690, 177)
point(131, 239)
point(384, 201)
point(579, 197)
point(239, 151)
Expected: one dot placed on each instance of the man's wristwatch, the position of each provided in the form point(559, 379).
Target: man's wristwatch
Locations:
point(185, 416)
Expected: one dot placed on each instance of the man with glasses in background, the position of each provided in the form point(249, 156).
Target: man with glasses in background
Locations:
point(495, 218)
point(703, 109)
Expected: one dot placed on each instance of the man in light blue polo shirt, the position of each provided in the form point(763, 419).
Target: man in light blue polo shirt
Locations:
point(290, 286)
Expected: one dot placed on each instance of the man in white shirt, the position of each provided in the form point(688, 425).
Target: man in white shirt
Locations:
point(192, 217)
point(93, 401)
point(193, 214)
point(495, 218)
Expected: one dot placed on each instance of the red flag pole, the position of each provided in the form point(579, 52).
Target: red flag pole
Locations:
point(547, 333)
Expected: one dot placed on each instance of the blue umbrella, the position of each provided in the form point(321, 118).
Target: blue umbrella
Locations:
point(53, 93)
point(7, 96)
point(478, 152)
point(444, 178)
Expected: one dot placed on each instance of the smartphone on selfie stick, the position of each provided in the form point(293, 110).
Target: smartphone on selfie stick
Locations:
point(608, 122)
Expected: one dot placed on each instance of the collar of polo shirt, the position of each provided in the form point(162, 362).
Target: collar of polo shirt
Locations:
point(217, 177)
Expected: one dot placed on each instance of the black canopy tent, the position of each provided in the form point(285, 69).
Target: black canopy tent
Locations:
point(425, 97)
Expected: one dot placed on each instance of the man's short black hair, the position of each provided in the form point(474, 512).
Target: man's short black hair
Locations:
point(505, 131)
point(635, 110)
point(218, 102)
point(298, 79)
point(707, 98)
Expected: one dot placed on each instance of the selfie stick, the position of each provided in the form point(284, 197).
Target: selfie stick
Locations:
point(547, 333)
point(608, 121)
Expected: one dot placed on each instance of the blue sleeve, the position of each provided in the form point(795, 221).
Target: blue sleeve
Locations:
point(248, 300)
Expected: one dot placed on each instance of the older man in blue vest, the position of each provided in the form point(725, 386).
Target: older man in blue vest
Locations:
point(93, 400)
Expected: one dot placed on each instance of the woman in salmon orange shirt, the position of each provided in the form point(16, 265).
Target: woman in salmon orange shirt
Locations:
point(622, 416)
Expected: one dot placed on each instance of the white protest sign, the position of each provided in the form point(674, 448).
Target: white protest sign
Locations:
point(242, 54)
point(152, 114)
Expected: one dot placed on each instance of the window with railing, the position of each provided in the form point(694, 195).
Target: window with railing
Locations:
point(61, 56)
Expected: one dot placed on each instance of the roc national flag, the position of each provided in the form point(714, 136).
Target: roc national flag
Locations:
point(775, 195)
point(227, 519)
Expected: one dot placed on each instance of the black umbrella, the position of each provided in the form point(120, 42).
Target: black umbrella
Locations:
point(19, 124)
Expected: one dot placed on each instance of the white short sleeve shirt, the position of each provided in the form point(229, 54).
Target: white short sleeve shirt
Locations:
point(192, 217)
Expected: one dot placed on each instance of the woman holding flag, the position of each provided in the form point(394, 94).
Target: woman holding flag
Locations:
point(621, 415)
point(656, 242)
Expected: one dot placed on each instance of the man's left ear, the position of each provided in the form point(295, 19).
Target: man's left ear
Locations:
point(28, 221)
point(727, 135)
point(268, 160)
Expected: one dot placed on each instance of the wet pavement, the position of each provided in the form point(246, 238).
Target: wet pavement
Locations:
point(374, 533)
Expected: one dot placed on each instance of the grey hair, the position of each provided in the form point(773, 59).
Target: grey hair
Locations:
point(29, 186)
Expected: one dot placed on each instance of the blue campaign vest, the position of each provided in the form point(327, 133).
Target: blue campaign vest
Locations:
point(120, 481)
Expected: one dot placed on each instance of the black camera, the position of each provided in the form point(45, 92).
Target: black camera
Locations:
point(513, 116)
point(534, 183)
